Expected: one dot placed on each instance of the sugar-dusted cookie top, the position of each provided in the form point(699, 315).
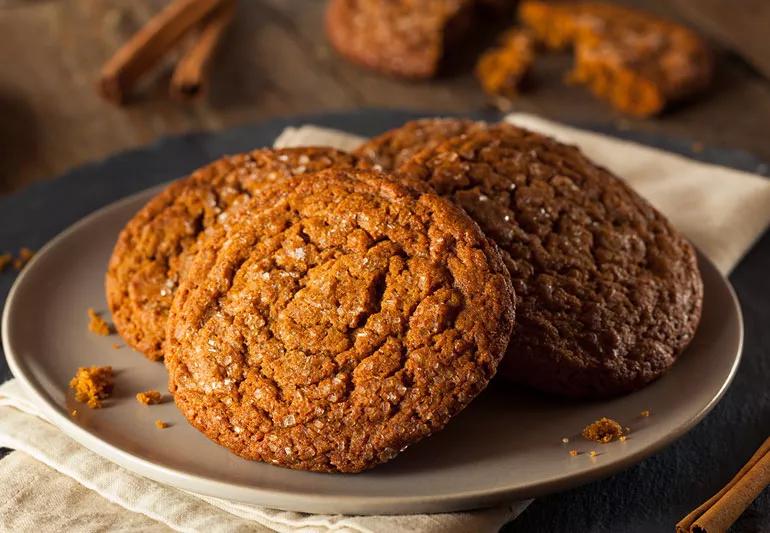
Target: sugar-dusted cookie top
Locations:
point(151, 251)
point(608, 292)
point(341, 318)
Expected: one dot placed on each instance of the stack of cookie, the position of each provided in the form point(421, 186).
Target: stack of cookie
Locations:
point(322, 310)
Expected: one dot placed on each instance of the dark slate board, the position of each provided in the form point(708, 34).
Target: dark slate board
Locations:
point(651, 496)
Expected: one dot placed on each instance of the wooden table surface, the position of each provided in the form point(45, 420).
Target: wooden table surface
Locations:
point(275, 61)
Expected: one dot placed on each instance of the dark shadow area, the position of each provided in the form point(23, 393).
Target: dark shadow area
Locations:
point(19, 142)
point(483, 31)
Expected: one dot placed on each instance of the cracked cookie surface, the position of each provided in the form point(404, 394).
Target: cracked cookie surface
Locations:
point(152, 250)
point(608, 292)
point(337, 320)
point(394, 147)
point(398, 37)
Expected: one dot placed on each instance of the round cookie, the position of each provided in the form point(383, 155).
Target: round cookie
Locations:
point(339, 319)
point(398, 37)
point(608, 292)
point(152, 249)
point(389, 150)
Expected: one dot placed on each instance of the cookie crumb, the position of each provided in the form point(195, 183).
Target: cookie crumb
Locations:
point(565, 440)
point(92, 385)
point(74, 412)
point(622, 438)
point(5, 260)
point(603, 430)
point(97, 324)
point(150, 397)
point(593, 453)
point(25, 254)
point(573, 453)
point(645, 413)
point(116, 346)
point(160, 424)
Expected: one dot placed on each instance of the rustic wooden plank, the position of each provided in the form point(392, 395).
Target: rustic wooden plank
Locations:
point(274, 61)
point(739, 26)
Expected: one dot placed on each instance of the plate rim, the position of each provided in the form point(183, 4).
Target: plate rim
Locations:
point(308, 501)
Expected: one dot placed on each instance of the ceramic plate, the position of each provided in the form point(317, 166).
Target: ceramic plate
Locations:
point(507, 445)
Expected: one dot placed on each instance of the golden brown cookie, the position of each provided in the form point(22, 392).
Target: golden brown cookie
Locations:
point(503, 69)
point(638, 62)
point(396, 37)
point(608, 292)
point(340, 319)
point(151, 251)
point(394, 147)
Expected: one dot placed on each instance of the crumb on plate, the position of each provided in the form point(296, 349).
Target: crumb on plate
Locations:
point(92, 385)
point(645, 413)
point(150, 397)
point(603, 430)
point(97, 324)
point(502, 70)
point(160, 424)
point(573, 453)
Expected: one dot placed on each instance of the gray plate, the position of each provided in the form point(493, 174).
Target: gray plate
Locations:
point(507, 445)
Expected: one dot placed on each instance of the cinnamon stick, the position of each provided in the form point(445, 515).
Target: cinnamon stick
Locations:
point(190, 73)
point(718, 512)
point(145, 49)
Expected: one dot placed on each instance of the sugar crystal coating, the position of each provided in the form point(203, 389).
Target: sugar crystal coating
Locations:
point(392, 321)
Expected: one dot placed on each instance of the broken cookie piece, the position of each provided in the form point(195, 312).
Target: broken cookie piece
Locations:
point(636, 61)
point(502, 70)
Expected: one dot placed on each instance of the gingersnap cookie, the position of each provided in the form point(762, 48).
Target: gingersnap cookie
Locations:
point(608, 292)
point(394, 147)
point(151, 251)
point(636, 61)
point(340, 319)
point(502, 70)
point(397, 37)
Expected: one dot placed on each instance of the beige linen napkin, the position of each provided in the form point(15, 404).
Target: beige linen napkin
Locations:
point(53, 483)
